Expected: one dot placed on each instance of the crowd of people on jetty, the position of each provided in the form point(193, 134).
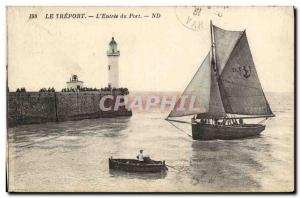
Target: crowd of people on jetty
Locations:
point(123, 91)
point(222, 122)
point(83, 89)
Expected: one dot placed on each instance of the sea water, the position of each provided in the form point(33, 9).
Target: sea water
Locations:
point(73, 155)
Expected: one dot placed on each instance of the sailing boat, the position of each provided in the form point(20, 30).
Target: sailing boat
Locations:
point(227, 91)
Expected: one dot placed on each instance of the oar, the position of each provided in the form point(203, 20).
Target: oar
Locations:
point(173, 168)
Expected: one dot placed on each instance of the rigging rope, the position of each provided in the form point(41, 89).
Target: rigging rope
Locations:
point(180, 121)
point(179, 128)
point(263, 121)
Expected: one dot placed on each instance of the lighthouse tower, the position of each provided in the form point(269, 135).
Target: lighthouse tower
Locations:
point(113, 64)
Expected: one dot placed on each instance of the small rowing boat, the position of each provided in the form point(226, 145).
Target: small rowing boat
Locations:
point(133, 165)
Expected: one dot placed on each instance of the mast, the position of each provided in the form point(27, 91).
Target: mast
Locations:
point(216, 106)
point(216, 68)
point(213, 58)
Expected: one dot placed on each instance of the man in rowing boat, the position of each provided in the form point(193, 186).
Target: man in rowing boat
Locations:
point(140, 156)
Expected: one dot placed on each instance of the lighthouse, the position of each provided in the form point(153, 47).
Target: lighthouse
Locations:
point(113, 64)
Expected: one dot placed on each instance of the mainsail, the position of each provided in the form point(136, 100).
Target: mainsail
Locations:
point(240, 83)
point(227, 81)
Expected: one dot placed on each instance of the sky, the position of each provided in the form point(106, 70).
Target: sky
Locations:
point(157, 54)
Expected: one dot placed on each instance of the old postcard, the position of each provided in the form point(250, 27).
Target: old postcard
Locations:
point(150, 99)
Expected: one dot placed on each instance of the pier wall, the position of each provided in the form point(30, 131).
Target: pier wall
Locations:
point(39, 107)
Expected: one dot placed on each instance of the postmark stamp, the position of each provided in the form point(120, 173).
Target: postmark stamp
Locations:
point(196, 18)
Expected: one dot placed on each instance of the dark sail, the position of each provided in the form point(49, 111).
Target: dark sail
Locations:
point(240, 83)
point(216, 109)
point(224, 43)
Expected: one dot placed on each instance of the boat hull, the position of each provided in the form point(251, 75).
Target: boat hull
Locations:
point(130, 165)
point(212, 132)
